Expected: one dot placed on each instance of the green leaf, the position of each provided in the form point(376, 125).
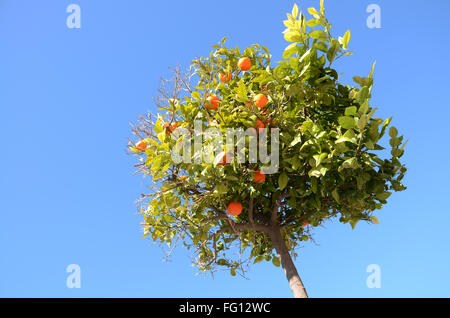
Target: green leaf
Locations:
point(321, 46)
point(335, 195)
point(393, 132)
point(290, 49)
point(353, 223)
point(383, 196)
point(314, 173)
point(258, 259)
point(346, 39)
point(283, 180)
point(395, 141)
point(295, 11)
point(221, 188)
point(156, 163)
point(374, 219)
point(222, 262)
point(362, 122)
point(403, 146)
point(276, 261)
point(371, 71)
point(363, 94)
point(313, 22)
point(319, 35)
point(296, 140)
point(363, 81)
point(313, 12)
point(242, 92)
point(350, 111)
point(195, 95)
point(293, 36)
point(385, 125)
point(233, 272)
point(350, 163)
point(346, 122)
point(334, 49)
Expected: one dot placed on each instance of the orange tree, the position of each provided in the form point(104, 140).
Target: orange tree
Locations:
point(331, 164)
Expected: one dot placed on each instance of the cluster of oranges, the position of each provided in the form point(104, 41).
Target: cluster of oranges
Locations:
point(260, 100)
point(234, 208)
point(244, 64)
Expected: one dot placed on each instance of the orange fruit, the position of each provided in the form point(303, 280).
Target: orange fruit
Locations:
point(183, 178)
point(260, 100)
point(259, 177)
point(212, 102)
point(244, 64)
point(305, 224)
point(141, 145)
point(259, 124)
point(226, 159)
point(234, 208)
point(224, 77)
point(170, 127)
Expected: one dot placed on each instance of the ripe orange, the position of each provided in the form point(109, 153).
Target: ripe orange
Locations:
point(141, 145)
point(305, 224)
point(260, 100)
point(212, 102)
point(170, 127)
point(259, 124)
point(234, 208)
point(259, 177)
point(244, 64)
point(183, 177)
point(226, 159)
point(224, 77)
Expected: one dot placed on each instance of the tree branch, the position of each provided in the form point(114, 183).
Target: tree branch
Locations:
point(273, 218)
point(241, 226)
point(250, 211)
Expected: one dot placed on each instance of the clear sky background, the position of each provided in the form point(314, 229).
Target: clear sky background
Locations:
point(67, 189)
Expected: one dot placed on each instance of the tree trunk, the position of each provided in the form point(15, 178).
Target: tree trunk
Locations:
point(292, 276)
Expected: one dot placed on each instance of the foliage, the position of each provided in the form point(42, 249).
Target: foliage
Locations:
point(331, 160)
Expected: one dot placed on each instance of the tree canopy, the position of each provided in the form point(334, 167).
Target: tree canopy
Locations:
point(331, 163)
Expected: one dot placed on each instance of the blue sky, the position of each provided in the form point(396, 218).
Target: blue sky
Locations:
point(67, 189)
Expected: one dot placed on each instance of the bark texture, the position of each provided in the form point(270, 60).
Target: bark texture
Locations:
point(287, 264)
